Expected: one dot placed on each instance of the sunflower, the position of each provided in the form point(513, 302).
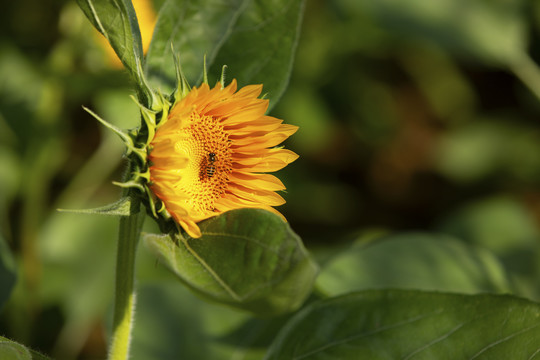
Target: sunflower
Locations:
point(212, 152)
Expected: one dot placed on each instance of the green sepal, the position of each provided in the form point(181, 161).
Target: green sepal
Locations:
point(182, 87)
point(152, 99)
point(165, 106)
point(205, 72)
point(151, 206)
point(122, 207)
point(124, 136)
point(222, 77)
point(149, 118)
point(131, 184)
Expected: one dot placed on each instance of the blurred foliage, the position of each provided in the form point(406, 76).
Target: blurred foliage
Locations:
point(413, 115)
point(414, 261)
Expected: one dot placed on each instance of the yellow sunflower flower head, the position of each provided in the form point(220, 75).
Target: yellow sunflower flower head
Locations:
point(211, 152)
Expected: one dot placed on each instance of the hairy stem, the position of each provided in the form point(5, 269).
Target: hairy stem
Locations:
point(124, 303)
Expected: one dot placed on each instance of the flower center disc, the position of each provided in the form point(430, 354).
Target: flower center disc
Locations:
point(198, 153)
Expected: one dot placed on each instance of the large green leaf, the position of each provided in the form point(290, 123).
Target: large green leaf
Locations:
point(10, 350)
point(247, 258)
point(262, 45)
point(414, 261)
point(394, 324)
point(193, 29)
point(255, 39)
point(117, 21)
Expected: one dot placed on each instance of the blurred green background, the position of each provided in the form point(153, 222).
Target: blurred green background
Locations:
point(414, 116)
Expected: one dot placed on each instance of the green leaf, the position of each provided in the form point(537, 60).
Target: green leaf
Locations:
point(394, 324)
point(7, 273)
point(255, 39)
point(117, 21)
point(414, 261)
point(11, 350)
point(38, 356)
point(246, 258)
point(120, 208)
point(262, 45)
point(194, 29)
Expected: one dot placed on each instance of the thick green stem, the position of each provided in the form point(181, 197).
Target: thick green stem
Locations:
point(124, 303)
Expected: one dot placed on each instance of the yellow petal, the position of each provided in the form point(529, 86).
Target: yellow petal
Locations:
point(249, 91)
point(257, 181)
point(191, 228)
point(256, 195)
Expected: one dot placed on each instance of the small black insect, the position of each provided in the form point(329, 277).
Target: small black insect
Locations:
point(210, 168)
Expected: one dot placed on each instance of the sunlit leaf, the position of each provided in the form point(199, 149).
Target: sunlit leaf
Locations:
point(414, 261)
point(255, 39)
point(394, 324)
point(246, 258)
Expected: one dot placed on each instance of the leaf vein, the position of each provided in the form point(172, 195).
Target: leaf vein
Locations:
point(208, 268)
point(434, 341)
point(96, 18)
point(376, 331)
point(534, 354)
point(486, 348)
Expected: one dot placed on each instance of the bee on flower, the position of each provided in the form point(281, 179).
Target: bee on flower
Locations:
point(210, 168)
